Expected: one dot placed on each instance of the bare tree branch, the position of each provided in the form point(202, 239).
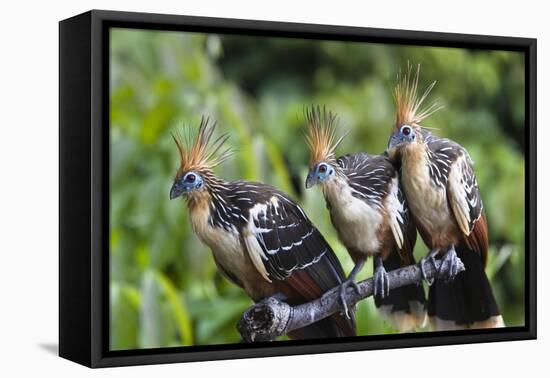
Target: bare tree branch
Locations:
point(270, 318)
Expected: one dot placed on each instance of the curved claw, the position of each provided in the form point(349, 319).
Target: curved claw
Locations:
point(381, 282)
point(343, 287)
point(431, 259)
point(350, 282)
point(343, 303)
point(449, 266)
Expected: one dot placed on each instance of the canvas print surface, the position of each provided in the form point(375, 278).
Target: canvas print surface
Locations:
point(246, 167)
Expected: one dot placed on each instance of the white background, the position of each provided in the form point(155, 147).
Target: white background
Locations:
point(29, 186)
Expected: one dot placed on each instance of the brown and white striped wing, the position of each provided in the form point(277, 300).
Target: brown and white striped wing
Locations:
point(282, 240)
point(466, 204)
point(368, 176)
point(288, 251)
point(465, 201)
point(451, 168)
point(463, 194)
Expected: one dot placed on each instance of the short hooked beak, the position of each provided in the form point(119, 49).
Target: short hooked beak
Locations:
point(177, 190)
point(311, 180)
point(394, 141)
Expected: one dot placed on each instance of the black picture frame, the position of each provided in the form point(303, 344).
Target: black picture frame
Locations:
point(84, 191)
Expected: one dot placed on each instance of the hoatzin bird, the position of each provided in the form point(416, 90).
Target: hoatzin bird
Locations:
point(260, 238)
point(370, 215)
point(439, 183)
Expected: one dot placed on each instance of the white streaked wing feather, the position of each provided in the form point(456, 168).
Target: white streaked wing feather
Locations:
point(256, 255)
point(458, 197)
point(395, 209)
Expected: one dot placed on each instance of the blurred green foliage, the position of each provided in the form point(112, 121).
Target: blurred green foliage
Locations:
point(165, 290)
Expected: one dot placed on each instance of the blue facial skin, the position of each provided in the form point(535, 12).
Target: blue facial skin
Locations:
point(320, 173)
point(187, 183)
point(405, 134)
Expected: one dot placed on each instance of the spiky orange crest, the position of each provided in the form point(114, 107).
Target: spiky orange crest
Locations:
point(408, 102)
point(198, 152)
point(321, 134)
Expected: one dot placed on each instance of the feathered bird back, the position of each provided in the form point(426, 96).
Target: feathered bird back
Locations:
point(321, 134)
point(408, 102)
point(199, 152)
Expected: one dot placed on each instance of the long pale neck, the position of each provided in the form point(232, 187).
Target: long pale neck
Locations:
point(199, 201)
point(414, 160)
point(336, 190)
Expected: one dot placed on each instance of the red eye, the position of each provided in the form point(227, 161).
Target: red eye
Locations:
point(406, 130)
point(322, 168)
point(190, 178)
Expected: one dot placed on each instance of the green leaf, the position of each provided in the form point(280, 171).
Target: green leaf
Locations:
point(178, 308)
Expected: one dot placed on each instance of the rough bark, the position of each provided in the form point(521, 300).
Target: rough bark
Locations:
point(271, 318)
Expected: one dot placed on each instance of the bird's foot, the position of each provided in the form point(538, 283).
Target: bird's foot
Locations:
point(430, 258)
point(343, 287)
point(350, 281)
point(381, 282)
point(449, 266)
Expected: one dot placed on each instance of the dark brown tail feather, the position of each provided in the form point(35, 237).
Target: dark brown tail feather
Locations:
point(468, 301)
